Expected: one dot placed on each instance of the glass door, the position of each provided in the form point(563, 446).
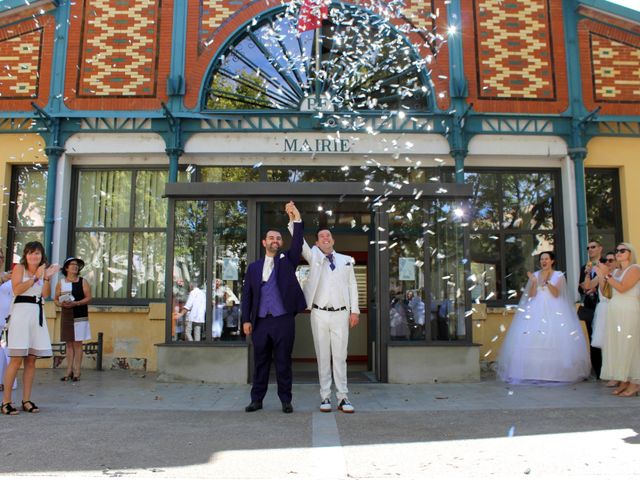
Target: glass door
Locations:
point(350, 223)
point(209, 261)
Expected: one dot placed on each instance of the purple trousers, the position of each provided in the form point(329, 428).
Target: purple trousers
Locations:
point(273, 339)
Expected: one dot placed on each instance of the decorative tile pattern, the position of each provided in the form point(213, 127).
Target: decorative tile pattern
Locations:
point(616, 70)
point(20, 64)
point(514, 52)
point(213, 13)
point(419, 13)
point(120, 48)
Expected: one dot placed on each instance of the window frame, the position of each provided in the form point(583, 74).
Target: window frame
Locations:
point(131, 230)
point(13, 227)
point(502, 233)
point(617, 231)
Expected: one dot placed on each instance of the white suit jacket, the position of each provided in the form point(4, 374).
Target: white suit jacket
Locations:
point(348, 294)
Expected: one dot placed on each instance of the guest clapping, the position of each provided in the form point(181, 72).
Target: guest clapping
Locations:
point(28, 332)
point(621, 360)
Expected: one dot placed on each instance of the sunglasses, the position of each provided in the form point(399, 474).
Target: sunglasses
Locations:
point(591, 247)
point(611, 260)
point(621, 250)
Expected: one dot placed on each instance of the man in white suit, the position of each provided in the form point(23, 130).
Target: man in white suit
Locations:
point(331, 293)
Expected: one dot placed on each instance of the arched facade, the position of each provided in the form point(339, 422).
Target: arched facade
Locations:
point(516, 122)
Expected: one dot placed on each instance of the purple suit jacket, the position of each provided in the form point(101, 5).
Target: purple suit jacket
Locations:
point(284, 268)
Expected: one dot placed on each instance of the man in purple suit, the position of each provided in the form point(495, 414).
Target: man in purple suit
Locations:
point(271, 297)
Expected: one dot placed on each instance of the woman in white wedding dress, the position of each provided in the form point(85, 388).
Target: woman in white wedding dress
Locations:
point(545, 342)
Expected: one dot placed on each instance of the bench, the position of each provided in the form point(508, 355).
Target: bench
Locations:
point(59, 350)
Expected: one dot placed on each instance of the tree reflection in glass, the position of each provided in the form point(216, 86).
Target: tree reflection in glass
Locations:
point(407, 314)
point(189, 257)
point(230, 264)
point(445, 234)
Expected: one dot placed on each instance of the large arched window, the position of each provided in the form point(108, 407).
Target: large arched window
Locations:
point(364, 63)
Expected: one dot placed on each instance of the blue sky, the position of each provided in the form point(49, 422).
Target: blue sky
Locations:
point(633, 4)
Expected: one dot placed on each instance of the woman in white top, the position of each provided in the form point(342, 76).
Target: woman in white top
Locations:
point(28, 331)
point(621, 355)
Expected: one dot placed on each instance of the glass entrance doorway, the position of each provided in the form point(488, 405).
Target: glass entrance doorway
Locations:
point(410, 251)
point(350, 223)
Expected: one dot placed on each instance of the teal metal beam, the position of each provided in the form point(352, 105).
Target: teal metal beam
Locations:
point(578, 155)
point(174, 158)
point(572, 55)
point(176, 82)
point(577, 150)
point(459, 90)
point(612, 9)
point(59, 62)
point(15, 6)
point(173, 139)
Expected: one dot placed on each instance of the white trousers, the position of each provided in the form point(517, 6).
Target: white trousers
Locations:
point(331, 339)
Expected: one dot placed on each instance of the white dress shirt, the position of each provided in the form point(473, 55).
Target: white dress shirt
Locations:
point(196, 306)
point(330, 282)
point(267, 268)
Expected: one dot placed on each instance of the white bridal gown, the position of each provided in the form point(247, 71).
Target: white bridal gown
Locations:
point(545, 342)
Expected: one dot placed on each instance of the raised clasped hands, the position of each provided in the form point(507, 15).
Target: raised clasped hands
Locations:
point(532, 277)
point(292, 211)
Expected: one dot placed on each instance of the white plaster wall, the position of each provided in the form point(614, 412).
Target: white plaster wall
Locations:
point(115, 143)
point(517, 146)
point(251, 144)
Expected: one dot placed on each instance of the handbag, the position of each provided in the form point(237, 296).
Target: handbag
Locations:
point(4, 334)
point(585, 314)
point(606, 290)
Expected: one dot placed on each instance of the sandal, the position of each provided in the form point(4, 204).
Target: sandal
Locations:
point(621, 388)
point(29, 406)
point(75, 379)
point(8, 409)
point(630, 392)
point(66, 378)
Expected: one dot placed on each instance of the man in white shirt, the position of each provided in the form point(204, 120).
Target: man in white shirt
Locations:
point(331, 293)
point(195, 308)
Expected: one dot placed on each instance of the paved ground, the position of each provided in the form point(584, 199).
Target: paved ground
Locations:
point(121, 424)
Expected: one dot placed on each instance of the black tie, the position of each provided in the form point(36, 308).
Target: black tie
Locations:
point(331, 264)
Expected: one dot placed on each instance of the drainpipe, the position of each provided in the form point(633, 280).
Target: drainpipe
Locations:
point(459, 154)
point(53, 155)
point(174, 154)
point(578, 155)
point(577, 140)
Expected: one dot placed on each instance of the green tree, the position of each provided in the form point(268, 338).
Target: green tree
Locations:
point(246, 91)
